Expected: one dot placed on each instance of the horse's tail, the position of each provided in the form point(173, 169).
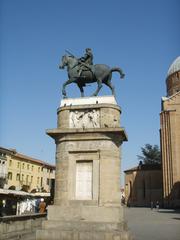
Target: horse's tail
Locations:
point(119, 70)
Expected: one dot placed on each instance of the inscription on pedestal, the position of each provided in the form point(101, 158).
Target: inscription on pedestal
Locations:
point(84, 180)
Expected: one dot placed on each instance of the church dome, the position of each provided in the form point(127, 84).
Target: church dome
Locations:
point(175, 66)
point(173, 78)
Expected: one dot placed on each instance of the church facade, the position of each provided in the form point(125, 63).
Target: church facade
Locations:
point(170, 137)
point(143, 185)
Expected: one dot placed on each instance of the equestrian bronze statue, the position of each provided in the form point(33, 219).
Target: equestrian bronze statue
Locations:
point(82, 71)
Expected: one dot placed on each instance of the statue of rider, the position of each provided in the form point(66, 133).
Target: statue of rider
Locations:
point(86, 62)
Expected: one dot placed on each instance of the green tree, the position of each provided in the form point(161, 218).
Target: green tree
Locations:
point(150, 154)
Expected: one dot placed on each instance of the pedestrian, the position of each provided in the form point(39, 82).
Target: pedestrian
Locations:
point(3, 209)
point(37, 202)
point(152, 205)
point(157, 206)
point(129, 203)
point(42, 206)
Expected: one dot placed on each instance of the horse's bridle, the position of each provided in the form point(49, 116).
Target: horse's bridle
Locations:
point(64, 62)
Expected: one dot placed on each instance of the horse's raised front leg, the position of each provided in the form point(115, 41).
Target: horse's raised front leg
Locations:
point(64, 88)
point(98, 88)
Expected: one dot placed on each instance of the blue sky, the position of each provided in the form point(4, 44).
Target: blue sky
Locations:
point(142, 37)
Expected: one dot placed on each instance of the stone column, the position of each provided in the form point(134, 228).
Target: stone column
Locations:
point(87, 193)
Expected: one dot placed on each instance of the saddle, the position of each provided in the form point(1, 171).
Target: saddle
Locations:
point(83, 67)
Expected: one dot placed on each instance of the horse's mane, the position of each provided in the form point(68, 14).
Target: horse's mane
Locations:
point(72, 57)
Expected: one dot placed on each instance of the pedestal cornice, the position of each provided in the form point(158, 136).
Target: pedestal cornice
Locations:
point(89, 106)
point(89, 134)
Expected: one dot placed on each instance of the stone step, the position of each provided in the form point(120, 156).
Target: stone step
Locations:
point(19, 235)
point(56, 234)
point(83, 226)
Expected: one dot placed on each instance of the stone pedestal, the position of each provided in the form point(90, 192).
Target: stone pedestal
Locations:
point(87, 193)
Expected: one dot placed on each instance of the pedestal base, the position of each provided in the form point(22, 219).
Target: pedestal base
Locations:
point(84, 223)
point(83, 231)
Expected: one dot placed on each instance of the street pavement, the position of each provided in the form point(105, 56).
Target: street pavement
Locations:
point(147, 224)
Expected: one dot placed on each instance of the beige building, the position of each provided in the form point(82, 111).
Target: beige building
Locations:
point(170, 137)
point(143, 185)
point(25, 173)
point(3, 168)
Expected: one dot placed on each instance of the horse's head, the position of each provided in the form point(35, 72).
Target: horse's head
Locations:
point(69, 61)
point(64, 62)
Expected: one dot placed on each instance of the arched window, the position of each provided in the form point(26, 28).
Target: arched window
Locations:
point(17, 177)
point(10, 175)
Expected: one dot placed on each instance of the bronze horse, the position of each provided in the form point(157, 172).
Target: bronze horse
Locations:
point(99, 73)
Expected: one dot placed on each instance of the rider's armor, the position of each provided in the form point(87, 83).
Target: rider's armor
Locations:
point(86, 61)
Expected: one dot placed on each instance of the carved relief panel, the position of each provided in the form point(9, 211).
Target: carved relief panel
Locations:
point(84, 119)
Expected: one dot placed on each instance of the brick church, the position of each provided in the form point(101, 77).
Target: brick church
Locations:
point(144, 184)
point(170, 137)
